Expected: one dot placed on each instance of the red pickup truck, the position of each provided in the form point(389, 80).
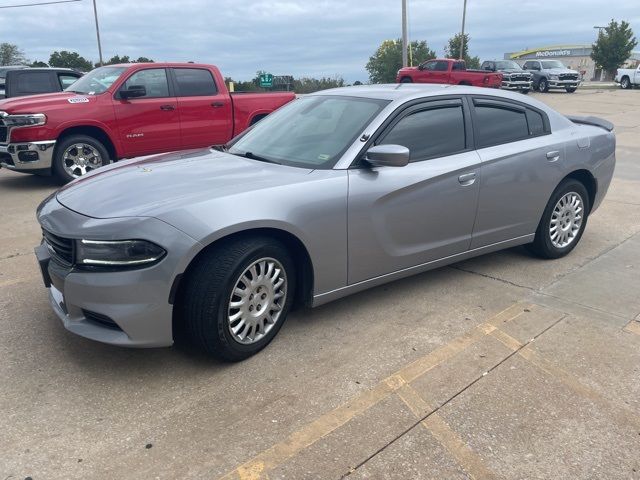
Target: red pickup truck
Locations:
point(449, 71)
point(124, 111)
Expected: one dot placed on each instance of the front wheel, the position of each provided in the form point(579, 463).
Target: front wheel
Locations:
point(570, 89)
point(563, 221)
point(543, 85)
point(237, 297)
point(77, 155)
point(406, 80)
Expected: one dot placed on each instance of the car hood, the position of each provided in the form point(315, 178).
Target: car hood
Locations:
point(40, 103)
point(513, 70)
point(156, 185)
point(556, 71)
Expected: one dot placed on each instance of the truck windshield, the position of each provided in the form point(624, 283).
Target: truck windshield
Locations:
point(547, 64)
point(507, 65)
point(311, 132)
point(96, 81)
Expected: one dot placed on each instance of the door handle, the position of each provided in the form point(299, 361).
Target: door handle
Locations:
point(467, 179)
point(553, 156)
point(167, 107)
point(217, 104)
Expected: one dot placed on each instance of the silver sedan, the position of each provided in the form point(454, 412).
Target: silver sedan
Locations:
point(334, 193)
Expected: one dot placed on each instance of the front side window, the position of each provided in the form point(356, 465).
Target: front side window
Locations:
point(435, 132)
point(96, 81)
point(195, 82)
point(310, 132)
point(154, 80)
point(437, 66)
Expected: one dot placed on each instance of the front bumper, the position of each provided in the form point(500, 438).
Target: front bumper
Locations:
point(508, 85)
point(563, 83)
point(27, 156)
point(129, 308)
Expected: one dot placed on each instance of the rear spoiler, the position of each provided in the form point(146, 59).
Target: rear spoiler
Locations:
point(594, 121)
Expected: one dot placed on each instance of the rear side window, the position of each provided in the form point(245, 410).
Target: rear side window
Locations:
point(195, 82)
point(34, 82)
point(154, 80)
point(497, 123)
point(436, 132)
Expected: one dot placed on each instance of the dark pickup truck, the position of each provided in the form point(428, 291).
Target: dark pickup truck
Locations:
point(33, 81)
point(513, 76)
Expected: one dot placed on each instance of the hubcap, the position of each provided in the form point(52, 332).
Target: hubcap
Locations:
point(256, 300)
point(566, 220)
point(80, 158)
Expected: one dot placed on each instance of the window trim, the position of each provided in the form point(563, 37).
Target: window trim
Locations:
point(176, 87)
point(412, 107)
point(505, 104)
point(124, 82)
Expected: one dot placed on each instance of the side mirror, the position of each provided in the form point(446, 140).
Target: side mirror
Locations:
point(421, 66)
point(388, 156)
point(134, 91)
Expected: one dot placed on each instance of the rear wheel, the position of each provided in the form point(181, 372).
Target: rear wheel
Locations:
point(77, 155)
point(625, 83)
point(543, 85)
point(563, 221)
point(237, 297)
point(406, 80)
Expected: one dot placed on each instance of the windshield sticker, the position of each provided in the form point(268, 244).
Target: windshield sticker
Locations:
point(78, 100)
point(324, 156)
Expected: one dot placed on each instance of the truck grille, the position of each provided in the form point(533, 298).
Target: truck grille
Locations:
point(520, 78)
point(568, 76)
point(61, 249)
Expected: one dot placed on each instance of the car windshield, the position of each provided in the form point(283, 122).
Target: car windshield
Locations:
point(96, 81)
point(311, 132)
point(507, 65)
point(547, 64)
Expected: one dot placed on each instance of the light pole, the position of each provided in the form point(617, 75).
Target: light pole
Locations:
point(404, 34)
point(464, 16)
point(599, 33)
point(95, 14)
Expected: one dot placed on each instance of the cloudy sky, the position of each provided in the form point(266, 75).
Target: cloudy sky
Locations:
point(298, 37)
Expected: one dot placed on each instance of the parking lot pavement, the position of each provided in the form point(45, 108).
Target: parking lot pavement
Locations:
point(503, 366)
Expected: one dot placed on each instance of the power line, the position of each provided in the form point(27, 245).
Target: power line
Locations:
point(38, 4)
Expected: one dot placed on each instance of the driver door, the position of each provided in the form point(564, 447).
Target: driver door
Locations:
point(434, 71)
point(400, 217)
point(151, 123)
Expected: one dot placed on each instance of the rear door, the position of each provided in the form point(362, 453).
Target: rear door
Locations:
point(521, 165)
point(206, 116)
point(148, 124)
point(401, 217)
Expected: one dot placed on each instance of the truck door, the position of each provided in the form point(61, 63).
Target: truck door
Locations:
point(434, 71)
point(150, 123)
point(206, 116)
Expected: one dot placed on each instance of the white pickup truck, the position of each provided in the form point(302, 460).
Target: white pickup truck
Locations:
point(628, 77)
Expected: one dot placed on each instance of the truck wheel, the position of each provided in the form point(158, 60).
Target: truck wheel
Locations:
point(543, 85)
point(76, 155)
point(570, 89)
point(237, 297)
point(406, 80)
point(625, 83)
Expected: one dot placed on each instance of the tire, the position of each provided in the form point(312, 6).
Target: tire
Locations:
point(206, 301)
point(625, 83)
point(570, 89)
point(406, 80)
point(525, 91)
point(543, 85)
point(95, 156)
point(543, 244)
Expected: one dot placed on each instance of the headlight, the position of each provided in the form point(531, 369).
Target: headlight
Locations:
point(117, 253)
point(28, 120)
point(553, 77)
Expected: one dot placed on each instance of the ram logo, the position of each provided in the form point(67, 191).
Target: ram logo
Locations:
point(135, 135)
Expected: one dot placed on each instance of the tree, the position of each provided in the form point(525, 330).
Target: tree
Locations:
point(384, 64)
point(614, 46)
point(452, 50)
point(65, 59)
point(310, 85)
point(117, 59)
point(38, 64)
point(10, 54)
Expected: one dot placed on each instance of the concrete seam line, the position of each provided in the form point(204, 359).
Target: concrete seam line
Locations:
point(270, 458)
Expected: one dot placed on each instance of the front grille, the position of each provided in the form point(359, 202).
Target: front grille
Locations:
point(100, 320)
point(520, 78)
point(61, 249)
point(568, 76)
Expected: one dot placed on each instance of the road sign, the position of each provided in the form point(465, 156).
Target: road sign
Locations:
point(266, 80)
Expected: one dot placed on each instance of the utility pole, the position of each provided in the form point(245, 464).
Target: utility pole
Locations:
point(601, 69)
point(464, 16)
point(404, 34)
point(95, 14)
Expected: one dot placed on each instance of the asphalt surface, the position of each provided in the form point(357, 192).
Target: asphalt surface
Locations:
point(504, 366)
